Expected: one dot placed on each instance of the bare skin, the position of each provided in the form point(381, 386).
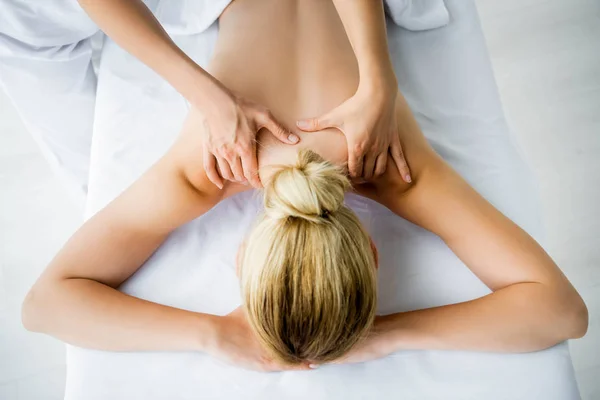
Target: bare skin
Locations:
point(280, 63)
point(306, 69)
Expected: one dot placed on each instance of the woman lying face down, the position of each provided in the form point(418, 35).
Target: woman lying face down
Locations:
point(308, 267)
point(307, 270)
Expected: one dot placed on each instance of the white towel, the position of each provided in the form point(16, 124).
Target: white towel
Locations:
point(187, 17)
point(184, 17)
point(418, 15)
point(62, 22)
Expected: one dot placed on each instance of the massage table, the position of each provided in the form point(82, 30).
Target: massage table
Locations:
point(446, 76)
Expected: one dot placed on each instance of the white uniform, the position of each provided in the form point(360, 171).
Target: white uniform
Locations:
point(46, 70)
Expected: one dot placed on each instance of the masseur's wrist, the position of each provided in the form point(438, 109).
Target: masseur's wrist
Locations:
point(378, 79)
point(211, 98)
point(194, 83)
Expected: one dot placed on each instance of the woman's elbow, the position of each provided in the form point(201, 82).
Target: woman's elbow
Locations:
point(560, 312)
point(576, 318)
point(569, 315)
point(32, 311)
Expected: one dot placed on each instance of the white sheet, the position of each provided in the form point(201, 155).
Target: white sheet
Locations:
point(446, 76)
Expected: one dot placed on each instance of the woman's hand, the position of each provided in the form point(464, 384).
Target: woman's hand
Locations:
point(377, 345)
point(368, 120)
point(380, 343)
point(237, 344)
point(231, 124)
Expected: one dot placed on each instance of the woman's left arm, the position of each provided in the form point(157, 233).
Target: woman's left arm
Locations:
point(367, 119)
point(532, 305)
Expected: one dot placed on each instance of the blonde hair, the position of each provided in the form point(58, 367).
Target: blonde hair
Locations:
point(308, 271)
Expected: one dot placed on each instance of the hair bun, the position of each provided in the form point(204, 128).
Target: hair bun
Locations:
point(311, 189)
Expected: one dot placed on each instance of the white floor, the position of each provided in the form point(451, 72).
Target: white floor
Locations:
point(547, 62)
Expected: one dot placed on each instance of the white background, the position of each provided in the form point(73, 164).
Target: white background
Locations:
point(546, 57)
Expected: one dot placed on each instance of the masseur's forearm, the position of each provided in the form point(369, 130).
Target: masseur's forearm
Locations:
point(520, 318)
point(364, 22)
point(133, 27)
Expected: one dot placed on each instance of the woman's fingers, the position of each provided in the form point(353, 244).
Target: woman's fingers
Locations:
point(400, 160)
point(210, 167)
point(297, 367)
point(268, 121)
point(275, 367)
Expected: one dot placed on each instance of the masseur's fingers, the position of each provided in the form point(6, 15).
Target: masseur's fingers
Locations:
point(316, 124)
point(236, 168)
point(400, 160)
point(224, 169)
point(210, 167)
point(369, 166)
point(355, 162)
point(380, 164)
point(268, 121)
point(250, 168)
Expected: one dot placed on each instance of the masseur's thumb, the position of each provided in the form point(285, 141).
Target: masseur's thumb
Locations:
point(279, 131)
point(316, 124)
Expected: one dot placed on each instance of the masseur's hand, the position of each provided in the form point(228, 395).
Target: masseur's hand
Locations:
point(368, 120)
point(237, 345)
point(231, 125)
point(232, 122)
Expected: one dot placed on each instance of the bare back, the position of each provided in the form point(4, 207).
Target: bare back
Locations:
point(293, 57)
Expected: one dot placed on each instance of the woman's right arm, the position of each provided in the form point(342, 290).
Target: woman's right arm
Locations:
point(76, 298)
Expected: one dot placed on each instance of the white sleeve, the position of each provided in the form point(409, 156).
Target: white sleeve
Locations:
point(54, 92)
point(418, 15)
